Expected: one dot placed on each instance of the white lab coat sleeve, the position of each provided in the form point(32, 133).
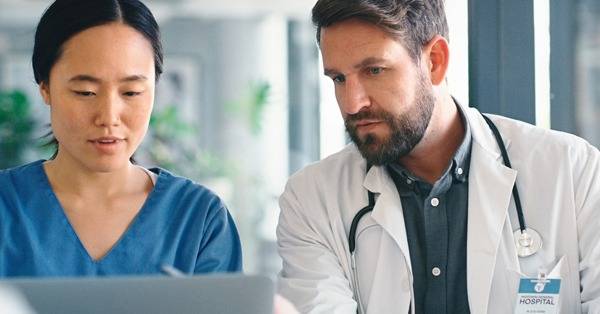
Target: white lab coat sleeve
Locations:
point(587, 198)
point(312, 276)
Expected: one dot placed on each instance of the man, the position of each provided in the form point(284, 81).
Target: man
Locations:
point(443, 235)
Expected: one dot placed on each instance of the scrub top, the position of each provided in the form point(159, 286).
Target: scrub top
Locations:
point(181, 225)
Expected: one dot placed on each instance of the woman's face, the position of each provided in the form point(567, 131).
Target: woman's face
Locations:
point(100, 94)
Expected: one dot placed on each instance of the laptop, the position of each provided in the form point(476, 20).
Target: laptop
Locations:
point(214, 294)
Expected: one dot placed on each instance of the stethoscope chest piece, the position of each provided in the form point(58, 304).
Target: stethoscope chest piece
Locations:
point(527, 242)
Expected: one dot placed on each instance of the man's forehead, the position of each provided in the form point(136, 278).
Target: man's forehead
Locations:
point(353, 42)
point(352, 29)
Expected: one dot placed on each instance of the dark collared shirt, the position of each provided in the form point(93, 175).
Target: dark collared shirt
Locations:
point(436, 227)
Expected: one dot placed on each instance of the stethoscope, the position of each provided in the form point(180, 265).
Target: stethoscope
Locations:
point(527, 240)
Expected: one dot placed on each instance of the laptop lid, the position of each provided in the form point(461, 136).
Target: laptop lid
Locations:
point(223, 294)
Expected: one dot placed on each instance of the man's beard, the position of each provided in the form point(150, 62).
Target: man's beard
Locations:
point(406, 130)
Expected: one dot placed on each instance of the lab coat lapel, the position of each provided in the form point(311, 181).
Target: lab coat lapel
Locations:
point(388, 208)
point(490, 191)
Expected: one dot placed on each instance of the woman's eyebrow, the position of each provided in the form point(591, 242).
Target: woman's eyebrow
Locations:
point(84, 78)
point(133, 78)
point(92, 79)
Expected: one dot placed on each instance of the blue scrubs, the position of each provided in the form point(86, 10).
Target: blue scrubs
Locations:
point(181, 224)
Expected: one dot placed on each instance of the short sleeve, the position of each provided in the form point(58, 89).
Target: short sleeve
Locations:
point(220, 248)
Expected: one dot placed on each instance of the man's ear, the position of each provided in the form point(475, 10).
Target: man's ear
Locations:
point(437, 55)
point(45, 92)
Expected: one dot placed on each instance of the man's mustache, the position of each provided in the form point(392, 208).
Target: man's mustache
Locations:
point(352, 119)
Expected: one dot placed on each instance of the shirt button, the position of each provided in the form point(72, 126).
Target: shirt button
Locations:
point(408, 181)
point(435, 202)
point(436, 271)
point(459, 171)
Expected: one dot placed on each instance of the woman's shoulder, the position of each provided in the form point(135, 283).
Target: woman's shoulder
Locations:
point(20, 174)
point(185, 191)
point(20, 185)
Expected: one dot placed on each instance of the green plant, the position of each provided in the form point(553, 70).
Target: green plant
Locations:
point(252, 105)
point(16, 128)
point(171, 144)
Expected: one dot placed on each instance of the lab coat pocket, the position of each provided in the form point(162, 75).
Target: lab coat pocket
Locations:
point(383, 275)
point(556, 269)
point(562, 271)
point(367, 253)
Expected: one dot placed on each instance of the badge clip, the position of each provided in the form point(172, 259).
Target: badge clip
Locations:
point(541, 282)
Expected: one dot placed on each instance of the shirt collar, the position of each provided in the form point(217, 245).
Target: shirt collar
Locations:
point(462, 157)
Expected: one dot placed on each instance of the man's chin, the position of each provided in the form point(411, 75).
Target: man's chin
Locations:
point(371, 151)
point(381, 153)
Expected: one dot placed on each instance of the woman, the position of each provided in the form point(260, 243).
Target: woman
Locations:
point(90, 211)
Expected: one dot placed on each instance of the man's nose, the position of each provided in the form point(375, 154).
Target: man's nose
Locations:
point(355, 97)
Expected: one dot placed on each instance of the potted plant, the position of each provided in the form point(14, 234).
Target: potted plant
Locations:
point(16, 128)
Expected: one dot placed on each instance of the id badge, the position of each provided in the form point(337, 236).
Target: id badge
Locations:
point(538, 296)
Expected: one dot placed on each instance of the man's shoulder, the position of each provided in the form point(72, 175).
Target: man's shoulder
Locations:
point(329, 168)
point(529, 138)
point(534, 138)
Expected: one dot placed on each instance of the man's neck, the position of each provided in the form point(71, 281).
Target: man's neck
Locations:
point(431, 157)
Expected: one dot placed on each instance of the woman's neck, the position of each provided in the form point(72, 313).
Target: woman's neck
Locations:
point(71, 176)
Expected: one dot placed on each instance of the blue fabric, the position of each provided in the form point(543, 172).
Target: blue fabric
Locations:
point(181, 224)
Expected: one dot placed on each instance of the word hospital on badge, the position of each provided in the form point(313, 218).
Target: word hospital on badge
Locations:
point(538, 296)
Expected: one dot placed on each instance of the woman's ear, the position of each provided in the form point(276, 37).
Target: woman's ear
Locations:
point(45, 92)
point(437, 54)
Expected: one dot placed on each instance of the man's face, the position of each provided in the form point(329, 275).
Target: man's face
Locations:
point(385, 98)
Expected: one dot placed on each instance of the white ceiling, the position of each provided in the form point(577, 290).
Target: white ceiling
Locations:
point(28, 11)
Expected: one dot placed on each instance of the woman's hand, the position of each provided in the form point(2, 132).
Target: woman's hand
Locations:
point(283, 306)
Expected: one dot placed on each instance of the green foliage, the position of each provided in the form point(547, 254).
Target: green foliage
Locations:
point(16, 128)
point(171, 144)
point(167, 124)
point(252, 105)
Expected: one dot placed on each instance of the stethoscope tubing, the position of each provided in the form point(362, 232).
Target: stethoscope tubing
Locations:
point(505, 159)
point(365, 210)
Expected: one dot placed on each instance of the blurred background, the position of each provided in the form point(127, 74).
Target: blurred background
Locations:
point(243, 104)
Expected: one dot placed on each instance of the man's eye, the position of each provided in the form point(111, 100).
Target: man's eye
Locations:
point(375, 70)
point(339, 79)
point(84, 93)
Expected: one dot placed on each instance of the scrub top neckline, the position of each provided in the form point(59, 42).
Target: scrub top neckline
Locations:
point(55, 204)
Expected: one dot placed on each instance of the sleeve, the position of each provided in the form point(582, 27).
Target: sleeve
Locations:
point(220, 248)
point(312, 276)
point(587, 198)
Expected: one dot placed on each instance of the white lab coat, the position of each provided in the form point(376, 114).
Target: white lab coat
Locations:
point(557, 174)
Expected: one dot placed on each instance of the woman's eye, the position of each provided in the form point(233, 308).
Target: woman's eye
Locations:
point(131, 93)
point(84, 93)
point(375, 70)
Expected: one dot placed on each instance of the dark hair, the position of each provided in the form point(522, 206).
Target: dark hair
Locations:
point(65, 18)
point(412, 22)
